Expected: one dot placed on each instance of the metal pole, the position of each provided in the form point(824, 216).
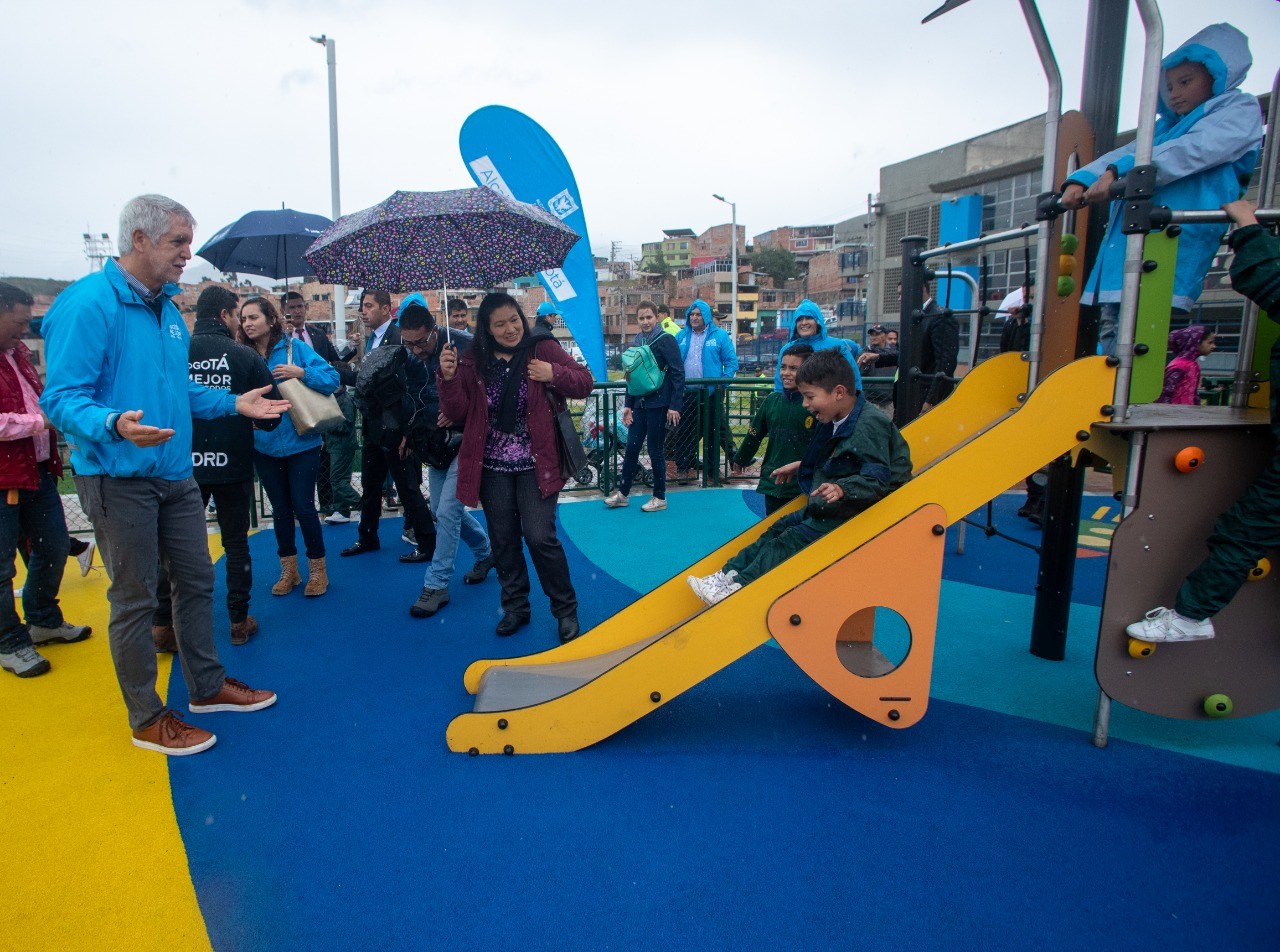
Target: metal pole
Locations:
point(1052, 117)
point(331, 61)
point(733, 264)
point(904, 399)
point(1100, 102)
point(1142, 150)
point(969, 244)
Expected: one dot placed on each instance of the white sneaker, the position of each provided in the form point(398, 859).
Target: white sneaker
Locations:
point(336, 519)
point(24, 662)
point(714, 588)
point(66, 633)
point(1165, 624)
point(85, 558)
point(616, 500)
point(654, 505)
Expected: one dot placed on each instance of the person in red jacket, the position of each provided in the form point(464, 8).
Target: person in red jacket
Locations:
point(502, 393)
point(29, 500)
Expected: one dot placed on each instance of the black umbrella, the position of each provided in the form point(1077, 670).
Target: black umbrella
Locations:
point(270, 243)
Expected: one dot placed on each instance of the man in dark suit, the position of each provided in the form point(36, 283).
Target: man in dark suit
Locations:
point(338, 498)
point(939, 350)
point(381, 453)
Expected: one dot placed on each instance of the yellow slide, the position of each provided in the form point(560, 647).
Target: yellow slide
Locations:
point(976, 444)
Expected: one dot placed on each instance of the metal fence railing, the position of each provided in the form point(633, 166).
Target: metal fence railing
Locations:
point(716, 415)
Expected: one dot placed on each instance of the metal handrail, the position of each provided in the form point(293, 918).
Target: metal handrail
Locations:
point(981, 241)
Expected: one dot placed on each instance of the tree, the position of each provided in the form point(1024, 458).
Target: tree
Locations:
point(778, 263)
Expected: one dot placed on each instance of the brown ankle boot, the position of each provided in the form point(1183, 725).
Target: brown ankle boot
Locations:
point(165, 638)
point(242, 631)
point(318, 582)
point(289, 577)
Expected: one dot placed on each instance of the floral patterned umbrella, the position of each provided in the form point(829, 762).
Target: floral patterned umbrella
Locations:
point(468, 237)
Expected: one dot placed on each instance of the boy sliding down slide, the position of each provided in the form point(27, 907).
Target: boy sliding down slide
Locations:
point(855, 459)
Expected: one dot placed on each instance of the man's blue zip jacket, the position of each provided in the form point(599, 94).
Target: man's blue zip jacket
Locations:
point(107, 352)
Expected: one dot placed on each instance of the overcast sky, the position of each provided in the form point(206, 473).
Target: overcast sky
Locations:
point(789, 109)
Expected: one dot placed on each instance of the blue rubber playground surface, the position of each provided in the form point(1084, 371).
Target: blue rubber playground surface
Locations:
point(752, 812)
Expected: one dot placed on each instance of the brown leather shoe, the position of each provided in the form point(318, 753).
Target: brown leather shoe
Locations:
point(173, 736)
point(242, 631)
point(234, 696)
point(165, 637)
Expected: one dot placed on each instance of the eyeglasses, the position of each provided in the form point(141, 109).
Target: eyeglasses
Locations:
point(417, 345)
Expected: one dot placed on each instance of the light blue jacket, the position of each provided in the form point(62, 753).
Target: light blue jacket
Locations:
point(107, 352)
point(1203, 160)
point(819, 341)
point(719, 355)
point(319, 376)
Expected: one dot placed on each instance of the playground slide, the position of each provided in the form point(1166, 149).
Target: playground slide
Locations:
point(973, 446)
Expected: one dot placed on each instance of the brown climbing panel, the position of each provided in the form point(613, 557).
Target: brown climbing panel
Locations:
point(1161, 541)
point(1059, 336)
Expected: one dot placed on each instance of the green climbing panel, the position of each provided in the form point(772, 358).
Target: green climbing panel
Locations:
point(1155, 302)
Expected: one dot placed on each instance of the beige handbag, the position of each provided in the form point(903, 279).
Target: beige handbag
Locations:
point(311, 411)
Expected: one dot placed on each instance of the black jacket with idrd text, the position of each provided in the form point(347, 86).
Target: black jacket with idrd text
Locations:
point(222, 449)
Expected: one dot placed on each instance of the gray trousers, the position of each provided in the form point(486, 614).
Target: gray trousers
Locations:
point(137, 522)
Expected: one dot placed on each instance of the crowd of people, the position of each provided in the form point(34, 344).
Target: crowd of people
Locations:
point(162, 421)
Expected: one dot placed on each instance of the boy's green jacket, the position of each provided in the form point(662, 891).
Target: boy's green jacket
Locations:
point(788, 426)
point(868, 460)
point(1255, 273)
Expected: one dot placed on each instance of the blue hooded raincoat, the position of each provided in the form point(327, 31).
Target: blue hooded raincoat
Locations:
point(719, 355)
point(819, 341)
point(1204, 159)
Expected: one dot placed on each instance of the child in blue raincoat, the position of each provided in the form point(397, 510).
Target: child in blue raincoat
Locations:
point(1206, 146)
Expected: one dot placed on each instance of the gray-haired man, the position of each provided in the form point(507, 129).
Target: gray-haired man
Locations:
point(116, 350)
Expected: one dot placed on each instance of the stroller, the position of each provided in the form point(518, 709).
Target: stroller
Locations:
point(602, 444)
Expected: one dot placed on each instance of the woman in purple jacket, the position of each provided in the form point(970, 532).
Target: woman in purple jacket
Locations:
point(502, 393)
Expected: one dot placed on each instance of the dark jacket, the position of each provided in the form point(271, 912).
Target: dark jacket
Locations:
point(1255, 273)
point(783, 420)
point(323, 346)
point(18, 467)
point(432, 446)
point(667, 353)
point(1016, 335)
point(463, 399)
point(222, 449)
point(939, 351)
point(867, 458)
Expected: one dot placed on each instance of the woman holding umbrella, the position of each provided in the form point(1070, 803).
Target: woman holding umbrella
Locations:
point(503, 393)
point(288, 463)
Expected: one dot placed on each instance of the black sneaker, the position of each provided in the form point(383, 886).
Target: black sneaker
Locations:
point(429, 602)
point(479, 572)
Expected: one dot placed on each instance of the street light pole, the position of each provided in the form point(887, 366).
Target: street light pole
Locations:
point(331, 60)
point(733, 207)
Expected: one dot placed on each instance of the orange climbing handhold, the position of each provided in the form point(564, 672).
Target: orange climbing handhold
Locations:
point(1188, 459)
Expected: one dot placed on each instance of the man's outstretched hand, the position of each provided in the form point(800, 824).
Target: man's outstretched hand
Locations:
point(255, 405)
point(130, 427)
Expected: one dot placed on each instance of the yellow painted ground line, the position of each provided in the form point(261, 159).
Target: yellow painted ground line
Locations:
point(93, 858)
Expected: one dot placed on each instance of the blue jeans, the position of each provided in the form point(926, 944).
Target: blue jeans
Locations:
point(1108, 322)
point(650, 422)
point(37, 513)
point(290, 484)
point(452, 522)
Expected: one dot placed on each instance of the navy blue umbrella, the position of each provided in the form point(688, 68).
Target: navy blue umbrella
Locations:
point(269, 243)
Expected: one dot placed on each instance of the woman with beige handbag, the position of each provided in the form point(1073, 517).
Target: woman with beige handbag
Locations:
point(287, 460)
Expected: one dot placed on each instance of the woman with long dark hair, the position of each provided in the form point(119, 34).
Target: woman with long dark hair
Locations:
point(506, 393)
point(287, 463)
